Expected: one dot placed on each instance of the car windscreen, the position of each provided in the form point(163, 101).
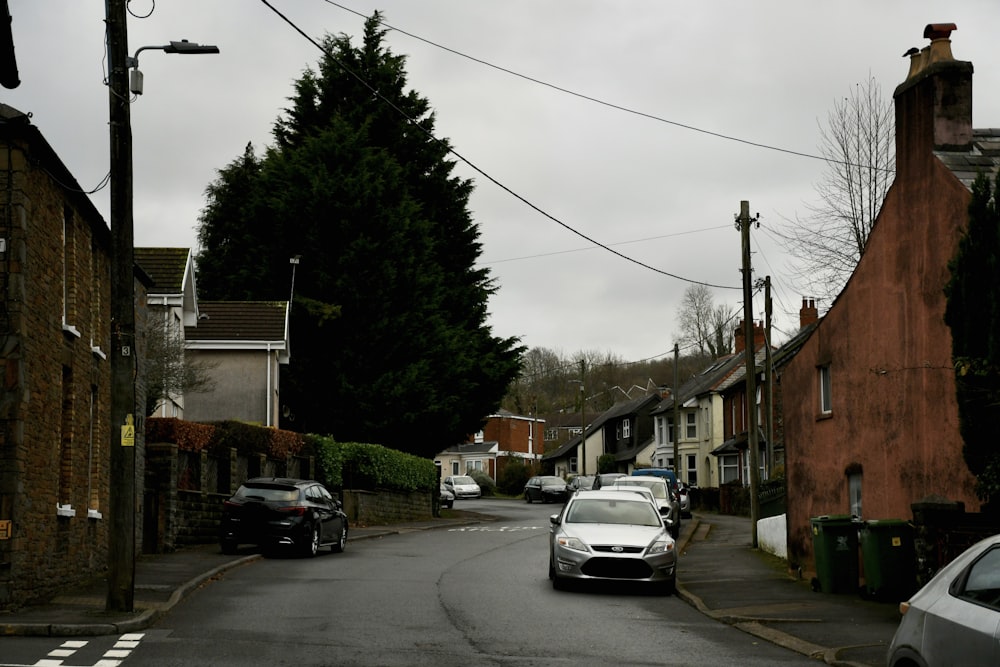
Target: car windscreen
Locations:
point(658, 488)
point(613, 511)
point(462, 480)
point(268, 493)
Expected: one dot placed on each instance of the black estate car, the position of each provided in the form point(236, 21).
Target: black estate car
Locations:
point(282, 513)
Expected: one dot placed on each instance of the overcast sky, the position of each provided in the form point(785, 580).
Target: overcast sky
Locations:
point(656, 172)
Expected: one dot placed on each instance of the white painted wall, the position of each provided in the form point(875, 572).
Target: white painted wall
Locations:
point(772, 536)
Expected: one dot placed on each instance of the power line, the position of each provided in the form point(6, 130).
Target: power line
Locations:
point(611, 105)
point(476, 168)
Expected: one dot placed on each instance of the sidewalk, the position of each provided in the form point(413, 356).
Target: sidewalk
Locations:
point(719, 574)
point(725, 578)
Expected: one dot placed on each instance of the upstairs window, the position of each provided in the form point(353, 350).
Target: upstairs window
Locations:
point(825, 401)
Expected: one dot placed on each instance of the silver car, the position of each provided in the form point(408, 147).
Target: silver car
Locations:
point(665, 499)
point(611, 536)
point(953, 619)
point(463, 486)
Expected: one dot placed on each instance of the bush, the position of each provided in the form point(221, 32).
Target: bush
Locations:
point(358, 465)
point(485, 482)
point(513, 475)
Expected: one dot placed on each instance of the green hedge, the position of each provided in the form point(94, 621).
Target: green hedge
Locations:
point(356, 465)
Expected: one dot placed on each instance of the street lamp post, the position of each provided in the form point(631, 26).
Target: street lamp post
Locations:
point(123, 499)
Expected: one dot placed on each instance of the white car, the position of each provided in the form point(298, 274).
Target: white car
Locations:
point(955, 618)
point(611, 536)
point(462, 486)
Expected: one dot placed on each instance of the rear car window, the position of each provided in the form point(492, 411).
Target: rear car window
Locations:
point(267, 493)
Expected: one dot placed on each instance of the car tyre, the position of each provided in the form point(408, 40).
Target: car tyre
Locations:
point(527, 497)
point(665, 587)
point(341, 543)
point(229, 547)
point(558, 583)
point(311, 546)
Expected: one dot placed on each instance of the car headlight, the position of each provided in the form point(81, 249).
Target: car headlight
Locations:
point(571, 543)
point(661, 546)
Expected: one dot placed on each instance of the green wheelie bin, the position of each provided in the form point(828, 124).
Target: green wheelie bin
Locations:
point(889, 559)
point(835, 548)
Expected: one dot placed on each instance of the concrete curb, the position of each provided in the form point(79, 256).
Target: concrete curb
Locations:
point(757, 627)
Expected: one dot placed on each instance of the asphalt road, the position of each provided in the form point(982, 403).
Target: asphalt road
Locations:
point(473, 595)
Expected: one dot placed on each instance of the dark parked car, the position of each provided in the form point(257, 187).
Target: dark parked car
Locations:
point(546, 488)
point(606, 479)
point(282, 513)
point(579, 483)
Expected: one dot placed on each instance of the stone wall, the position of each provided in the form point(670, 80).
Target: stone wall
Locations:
point(54, 356)
point(372, 508)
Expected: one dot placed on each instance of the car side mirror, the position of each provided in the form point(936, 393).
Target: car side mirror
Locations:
point(554, 519)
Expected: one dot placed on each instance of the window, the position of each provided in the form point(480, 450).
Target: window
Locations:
point(983, 582)
point(825, 403)
point(572, 464)
point(729, 468)
point(626, 429)
point(551, 434)
point(691, 431)
point(454, 467)
point(670, 430)
point(692, 469)
point(854, 493)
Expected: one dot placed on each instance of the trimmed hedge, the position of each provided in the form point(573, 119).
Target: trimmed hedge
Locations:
point(342, 465)
point(356, 465)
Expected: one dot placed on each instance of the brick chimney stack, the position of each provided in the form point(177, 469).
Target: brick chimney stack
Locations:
point(739, 337)
point(934, 103)
point(808, 313)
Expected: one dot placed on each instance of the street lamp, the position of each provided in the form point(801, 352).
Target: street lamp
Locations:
point(183, 46)
point(122, 500)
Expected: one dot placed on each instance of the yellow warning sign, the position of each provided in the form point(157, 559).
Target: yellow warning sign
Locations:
point(897, 542)
point(5, 529)
point(128, 432)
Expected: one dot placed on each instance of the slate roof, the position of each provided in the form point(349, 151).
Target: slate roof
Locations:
point(616, 410)
point(484, 447)
point(166, 266)
point(240, 322)
point(983, 157)
point(705, 381)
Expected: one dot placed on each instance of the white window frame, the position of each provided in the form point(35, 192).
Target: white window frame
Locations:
point(825, 390)
point(690, 426)
point(626, 428)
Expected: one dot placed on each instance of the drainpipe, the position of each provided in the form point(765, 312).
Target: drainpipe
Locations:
point(268, 400)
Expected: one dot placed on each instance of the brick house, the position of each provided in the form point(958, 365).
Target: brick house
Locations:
point(504, 434)
point(875, 427)
point(54, 403)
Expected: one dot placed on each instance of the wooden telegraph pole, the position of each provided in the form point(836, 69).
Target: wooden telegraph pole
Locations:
point(122, 501)
point(743, 223)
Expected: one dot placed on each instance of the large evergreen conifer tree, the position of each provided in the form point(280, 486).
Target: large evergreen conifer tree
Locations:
point(973, 314)
point(388, 335)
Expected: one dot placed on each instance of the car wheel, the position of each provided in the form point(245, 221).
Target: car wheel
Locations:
point(229, 547)
point(558, 583)
point(552, 569)
point(311, 546)
point(527, 497)
point(449, 504)
point(341, 543)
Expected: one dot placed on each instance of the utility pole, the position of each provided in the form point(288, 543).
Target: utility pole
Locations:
point(677, 414)
point(743, 223)
point(583, 420)
point(768, 379)
point(122, 501)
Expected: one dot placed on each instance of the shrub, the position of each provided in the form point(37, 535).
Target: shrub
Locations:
point(485, 482)
point(513, 475)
